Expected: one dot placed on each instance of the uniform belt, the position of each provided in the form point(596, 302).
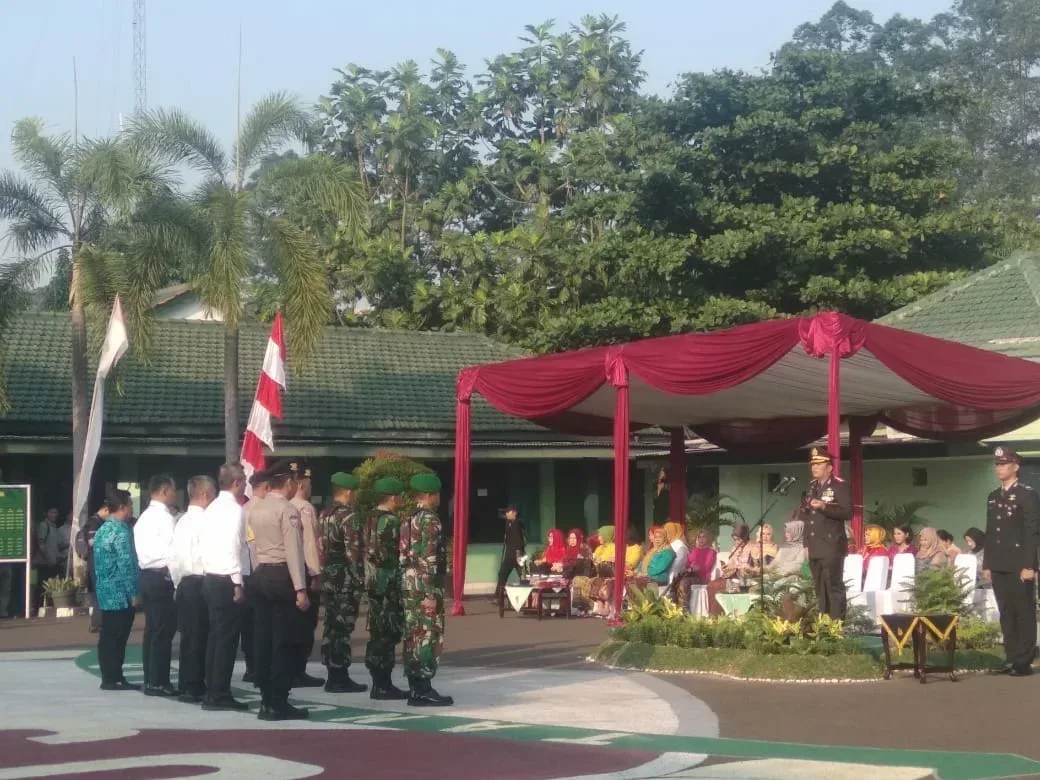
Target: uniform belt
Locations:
point(283, 564)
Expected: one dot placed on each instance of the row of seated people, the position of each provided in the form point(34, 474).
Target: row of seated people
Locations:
point(931, 549)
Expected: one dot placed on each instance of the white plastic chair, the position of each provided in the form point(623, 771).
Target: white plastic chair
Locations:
point(682, 552)
point(873, 586)
point(698, 605)
point(895, 599)
point(967, 564)
point(852, 575)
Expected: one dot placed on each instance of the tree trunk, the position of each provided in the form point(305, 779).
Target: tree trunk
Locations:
point(231, 434)
point(80, 399)
point(404, 210)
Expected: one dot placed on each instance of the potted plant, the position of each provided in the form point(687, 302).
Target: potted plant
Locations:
point(62, 591)
point(893, 516)
point(711, 513)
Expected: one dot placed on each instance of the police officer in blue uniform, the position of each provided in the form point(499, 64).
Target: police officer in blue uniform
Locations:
point(1010, 560)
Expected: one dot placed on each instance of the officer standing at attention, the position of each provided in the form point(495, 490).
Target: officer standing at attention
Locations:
point(1010, 560)
point(258, 482)
point(279, 588)
point(826, 509)
point(382, 542)
point(342, 580)
point(422, 588)
point(309, 520)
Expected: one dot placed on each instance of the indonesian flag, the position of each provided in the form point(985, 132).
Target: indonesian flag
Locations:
point(116, 344)
point(267, 404)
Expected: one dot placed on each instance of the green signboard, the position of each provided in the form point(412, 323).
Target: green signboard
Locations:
point(14, 521)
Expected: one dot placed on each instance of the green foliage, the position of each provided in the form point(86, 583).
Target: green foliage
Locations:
point(892, 516)
point(384, 464)
point(711, 513)
point(974, 633)
point(942, 590)
point(58, 585)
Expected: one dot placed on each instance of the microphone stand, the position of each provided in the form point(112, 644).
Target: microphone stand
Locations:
point(779, 492)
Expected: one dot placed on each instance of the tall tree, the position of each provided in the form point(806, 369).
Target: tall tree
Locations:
point(241, 229)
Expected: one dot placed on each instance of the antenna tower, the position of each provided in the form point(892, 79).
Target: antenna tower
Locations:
point(140, 59)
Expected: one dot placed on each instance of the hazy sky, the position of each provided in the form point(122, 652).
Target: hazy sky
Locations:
point(192, 46)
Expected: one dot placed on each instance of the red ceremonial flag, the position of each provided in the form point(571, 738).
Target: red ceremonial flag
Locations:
point(267, 404)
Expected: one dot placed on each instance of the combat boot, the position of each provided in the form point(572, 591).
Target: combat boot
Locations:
point(339, 682)
point(422, 694)
point(383, 688)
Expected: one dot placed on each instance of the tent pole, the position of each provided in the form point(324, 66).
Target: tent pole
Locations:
point(677, 478)
point(461, 531)
point(619, 378)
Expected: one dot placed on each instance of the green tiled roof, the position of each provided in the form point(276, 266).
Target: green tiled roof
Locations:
point(996, 309)
point(360, 384)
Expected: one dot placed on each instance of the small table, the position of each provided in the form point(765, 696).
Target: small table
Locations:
point(734, 604)
point(552, 598)
point(519, 598)
point(551, 594)
point(899, 629)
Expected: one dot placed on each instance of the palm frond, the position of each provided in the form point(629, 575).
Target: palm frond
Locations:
point(35, 222)
point(273, 122)
point(119, 174)
point(45, 158)
point(172, 137)
point(305, 288)
point(322, 183)
point(220, 281)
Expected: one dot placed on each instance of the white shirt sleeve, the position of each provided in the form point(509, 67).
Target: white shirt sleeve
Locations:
point(225, 536)
point(153, 539)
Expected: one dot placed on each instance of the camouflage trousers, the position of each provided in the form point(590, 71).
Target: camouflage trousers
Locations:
point(423, 634)
point(341, 610)
point(384, 631)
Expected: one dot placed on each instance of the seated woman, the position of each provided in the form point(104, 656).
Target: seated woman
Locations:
point(975, 543)
point(902, 542)
point(602, 566)
point(700, 563)
point(946, 542)
point(791, 558)
point(875, 543)
point(736, 567)
point(640, 569)
point(577, 560)
point(762, 546)
point(550, 561)
point(930, 554)
point(656, 565)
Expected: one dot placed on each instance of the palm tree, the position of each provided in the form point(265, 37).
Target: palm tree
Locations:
point(245, 227)
point(89, 209)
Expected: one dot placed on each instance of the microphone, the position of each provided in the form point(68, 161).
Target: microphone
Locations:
point(784, 485)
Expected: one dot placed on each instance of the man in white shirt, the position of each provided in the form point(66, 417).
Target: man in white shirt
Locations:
point(192, 616)
point(224, 557)
point(153, 542)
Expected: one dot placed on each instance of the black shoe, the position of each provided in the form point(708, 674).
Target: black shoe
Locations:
point(339, 682)
point(1005, 669)
point(306, 681)
point(159, 690)
point(121, 685)
point(384, 690)
point(1021, 671)
point(190, 697)
point(249, 677)
point(284, 712)
point(224, 703)
point(423, 695)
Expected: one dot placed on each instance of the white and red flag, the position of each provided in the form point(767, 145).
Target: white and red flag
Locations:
point(266, 405)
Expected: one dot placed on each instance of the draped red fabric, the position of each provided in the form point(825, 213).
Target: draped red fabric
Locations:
point(463, 391)
point(618, 376)
point(677, 478)
point(957, 423)
point(859, 429)
point(763, 437)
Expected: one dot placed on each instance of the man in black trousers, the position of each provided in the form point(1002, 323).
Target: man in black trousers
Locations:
point(825, 511)
point(258, 482)
point(192, 614)
point(153, 542)
point(514, 544)
point(1012, 541)
point(224, 551)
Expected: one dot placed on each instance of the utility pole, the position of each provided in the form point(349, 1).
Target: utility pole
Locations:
point(140, 59)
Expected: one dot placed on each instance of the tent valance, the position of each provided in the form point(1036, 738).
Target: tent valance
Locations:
point(754, 387)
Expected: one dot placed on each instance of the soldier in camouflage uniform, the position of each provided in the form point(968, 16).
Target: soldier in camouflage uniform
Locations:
point(422, 593)
point(342, 580)
point(383, 583)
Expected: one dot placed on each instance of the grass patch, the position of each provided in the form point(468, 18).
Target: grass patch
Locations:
point(746, 663)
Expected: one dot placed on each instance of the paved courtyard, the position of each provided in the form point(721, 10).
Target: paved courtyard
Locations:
point(517, 681)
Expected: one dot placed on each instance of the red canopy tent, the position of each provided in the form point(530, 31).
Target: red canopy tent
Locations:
point(750, 388)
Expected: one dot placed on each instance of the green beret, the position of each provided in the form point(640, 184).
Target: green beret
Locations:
point(426, 483)
point(342, 479)
point(389, 486)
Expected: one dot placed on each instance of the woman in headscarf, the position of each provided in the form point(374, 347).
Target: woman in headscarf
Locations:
point(700, 563)
point(736, 566)
point(930, 554)
point(551, 559)
point(674, 533)
point(975, 543)
point(576, 556)
point(634, 549)
point(791, 557)
point(875, 542)
point(603, 567)
point(763, 546)
point(656, 565)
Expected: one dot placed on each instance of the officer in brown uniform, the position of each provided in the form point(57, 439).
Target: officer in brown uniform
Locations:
point(1010, 560)
point(825, 511)
point(279, 591)
point(311, 553)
